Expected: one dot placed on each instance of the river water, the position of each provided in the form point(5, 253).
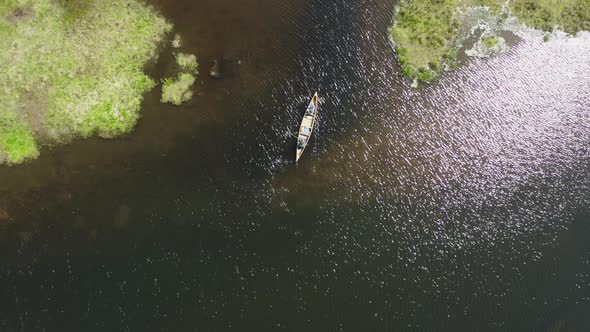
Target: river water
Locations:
point(463, 205)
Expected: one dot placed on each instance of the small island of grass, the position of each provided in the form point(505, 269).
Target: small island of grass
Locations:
point(426, 34)
point(179, 89)
point(72, 69)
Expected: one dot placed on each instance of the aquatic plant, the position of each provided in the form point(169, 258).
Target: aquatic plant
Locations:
point(74, 68)
point(487, 45)
point(187, 62)
point(409, 71)
point(179, 90)
point(177, 41)
point(425, 74)
point(490, 41)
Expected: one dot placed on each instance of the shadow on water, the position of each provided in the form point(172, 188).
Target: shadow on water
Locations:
point(457, 206)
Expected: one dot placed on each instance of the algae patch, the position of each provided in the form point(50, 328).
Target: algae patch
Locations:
point(71, 69)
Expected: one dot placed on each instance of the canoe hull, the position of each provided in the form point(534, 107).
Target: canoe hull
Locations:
point(307, 125)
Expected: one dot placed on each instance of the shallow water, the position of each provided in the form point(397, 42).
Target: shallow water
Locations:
point(458, 206)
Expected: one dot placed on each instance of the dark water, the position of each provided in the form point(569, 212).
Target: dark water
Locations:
point(462, 206)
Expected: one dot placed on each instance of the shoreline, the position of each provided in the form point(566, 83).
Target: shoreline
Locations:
point(73, 71)
point(427, 36)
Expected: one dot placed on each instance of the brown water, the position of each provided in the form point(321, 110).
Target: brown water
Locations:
point(458, 206)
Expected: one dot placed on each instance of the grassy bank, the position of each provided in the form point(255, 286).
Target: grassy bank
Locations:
point(426, 33)
point(16, 140)
point(569, 15)
point(423, 34)
point(72, 68)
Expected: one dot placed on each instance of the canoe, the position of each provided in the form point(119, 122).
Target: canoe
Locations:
point(307, 124)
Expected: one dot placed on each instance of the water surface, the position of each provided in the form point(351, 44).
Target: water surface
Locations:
point(458, 206)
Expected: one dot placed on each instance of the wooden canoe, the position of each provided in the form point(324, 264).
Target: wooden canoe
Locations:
point(306, 127)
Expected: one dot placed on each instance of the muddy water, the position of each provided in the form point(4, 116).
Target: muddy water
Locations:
point(458, 206)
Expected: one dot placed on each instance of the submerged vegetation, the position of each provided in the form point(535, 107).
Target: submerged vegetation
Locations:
point(426, 33)
point(72, 68)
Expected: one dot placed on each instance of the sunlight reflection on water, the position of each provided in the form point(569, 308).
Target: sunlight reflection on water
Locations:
point(427, 208)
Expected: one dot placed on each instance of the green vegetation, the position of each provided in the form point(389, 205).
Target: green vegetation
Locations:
point(426, 33)
point(187, 62)
point(570, 16)
point(16, 140)
point(177, 41)
point(423, 29)
point(72, 68)
point(179, 89)
point(488, 45)
point(490, 41)
point(423, 32)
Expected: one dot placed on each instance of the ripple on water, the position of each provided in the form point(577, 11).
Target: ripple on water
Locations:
point(489, 162)
point(433, 207)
